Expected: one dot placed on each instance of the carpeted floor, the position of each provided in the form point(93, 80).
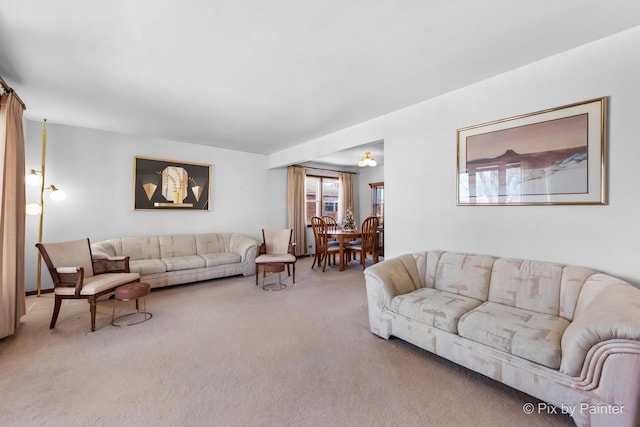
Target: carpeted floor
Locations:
point(227, 353)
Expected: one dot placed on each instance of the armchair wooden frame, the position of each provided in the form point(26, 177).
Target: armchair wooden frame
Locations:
point(285, 255)
point(72, 282)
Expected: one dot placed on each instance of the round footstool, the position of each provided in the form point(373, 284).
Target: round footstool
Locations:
point(272, 268)
point(135, 290)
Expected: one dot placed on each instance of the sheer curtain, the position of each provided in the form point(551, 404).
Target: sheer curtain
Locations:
point(295, 207)
point(12, 215)
point(346, 195)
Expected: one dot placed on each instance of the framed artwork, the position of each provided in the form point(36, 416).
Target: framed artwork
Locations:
point(551, 157)
point(169, 184)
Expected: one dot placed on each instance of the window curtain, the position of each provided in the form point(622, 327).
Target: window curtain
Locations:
point(12, 215)
point(295, 207)
point(346, 195)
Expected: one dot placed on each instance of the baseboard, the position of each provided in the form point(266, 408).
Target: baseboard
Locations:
point(42, 291)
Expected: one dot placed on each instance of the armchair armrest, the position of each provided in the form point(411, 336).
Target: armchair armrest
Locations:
point(292, 249)
point(112, 264)
point(69, 277)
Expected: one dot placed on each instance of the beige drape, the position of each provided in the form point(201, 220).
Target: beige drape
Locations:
point(12, 215)
point(346, 196)
point(295, 207)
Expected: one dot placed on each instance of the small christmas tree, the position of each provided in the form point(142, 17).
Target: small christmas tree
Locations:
point(348, 223)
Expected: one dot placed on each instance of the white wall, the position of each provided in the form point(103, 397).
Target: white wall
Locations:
point(95, 169)
point(420, 164)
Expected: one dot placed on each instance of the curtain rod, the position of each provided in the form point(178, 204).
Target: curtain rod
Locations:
point(8, 89)
point(324, 169)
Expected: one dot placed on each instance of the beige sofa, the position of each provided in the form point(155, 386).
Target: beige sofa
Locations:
point(183, 258)
point(566, 335)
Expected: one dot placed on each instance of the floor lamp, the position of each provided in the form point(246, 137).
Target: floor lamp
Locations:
point(35, 177)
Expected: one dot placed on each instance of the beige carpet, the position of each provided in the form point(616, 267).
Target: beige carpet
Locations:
point(227, 353)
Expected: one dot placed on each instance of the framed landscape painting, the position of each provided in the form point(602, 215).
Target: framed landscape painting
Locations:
point(168, 184)
point(555, 156)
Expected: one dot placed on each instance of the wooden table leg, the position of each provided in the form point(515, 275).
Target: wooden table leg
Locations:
point(341, 253)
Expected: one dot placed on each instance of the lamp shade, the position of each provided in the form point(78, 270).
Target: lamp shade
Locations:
point(33, 209)
point(56, 193)
point(367, 160)
point(33, 178)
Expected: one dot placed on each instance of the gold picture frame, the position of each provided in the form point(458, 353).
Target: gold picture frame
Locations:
point(549, 157)
point(160, 184)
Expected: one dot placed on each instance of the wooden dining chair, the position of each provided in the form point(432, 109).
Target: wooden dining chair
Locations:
point(369, 240)
point(323, 250)
point(332, 225)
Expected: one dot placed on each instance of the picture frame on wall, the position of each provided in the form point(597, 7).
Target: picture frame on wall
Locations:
point(551, 157)
point(160, 184)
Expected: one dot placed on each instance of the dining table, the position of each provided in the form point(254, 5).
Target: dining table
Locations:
point(343, 237)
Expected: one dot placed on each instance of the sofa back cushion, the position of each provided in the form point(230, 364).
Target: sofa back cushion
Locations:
point(427, 267)
point(177, 245)
point(573, 281)
point(212, 243)
point(464, 274)
point(530, 285)
point(144, 247)
point(107, 248)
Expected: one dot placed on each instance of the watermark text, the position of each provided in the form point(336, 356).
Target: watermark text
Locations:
point(571, 410)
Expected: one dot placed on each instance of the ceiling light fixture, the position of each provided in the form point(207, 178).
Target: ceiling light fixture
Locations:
point(367, 160)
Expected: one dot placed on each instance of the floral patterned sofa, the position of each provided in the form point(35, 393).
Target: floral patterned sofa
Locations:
point(182, 258)
point(566, 335)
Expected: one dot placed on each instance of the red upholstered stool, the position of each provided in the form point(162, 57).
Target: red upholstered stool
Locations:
point(135, 290)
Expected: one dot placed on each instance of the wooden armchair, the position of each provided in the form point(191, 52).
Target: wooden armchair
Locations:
point(276, 248)
point(76, 276)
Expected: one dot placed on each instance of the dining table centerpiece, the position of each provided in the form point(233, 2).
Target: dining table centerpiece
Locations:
point(348, 224)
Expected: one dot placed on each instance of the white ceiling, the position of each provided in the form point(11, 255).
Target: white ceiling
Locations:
point(260, 76)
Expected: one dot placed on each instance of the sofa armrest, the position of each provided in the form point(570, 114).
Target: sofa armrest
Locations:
point(392, 277)
point(242, 245)
point(613, 315)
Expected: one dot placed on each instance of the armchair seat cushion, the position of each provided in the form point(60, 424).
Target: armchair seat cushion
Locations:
point(102, 282)
point(434, 307)
point(221, 258)
point(267, 258)
point(524, 333)
point(187, 262)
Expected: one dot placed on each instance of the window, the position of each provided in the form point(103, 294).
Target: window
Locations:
point(377, 200)
point(321, 196)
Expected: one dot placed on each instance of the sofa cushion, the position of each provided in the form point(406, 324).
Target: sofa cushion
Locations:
point(177, 245)
point(146, 247)
point(523, 333)
point(530, 285)
point(221, 258)
point(433, 307)
point(184, 262)
point(147, 266)
point(466, 275)
point(210, 243)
